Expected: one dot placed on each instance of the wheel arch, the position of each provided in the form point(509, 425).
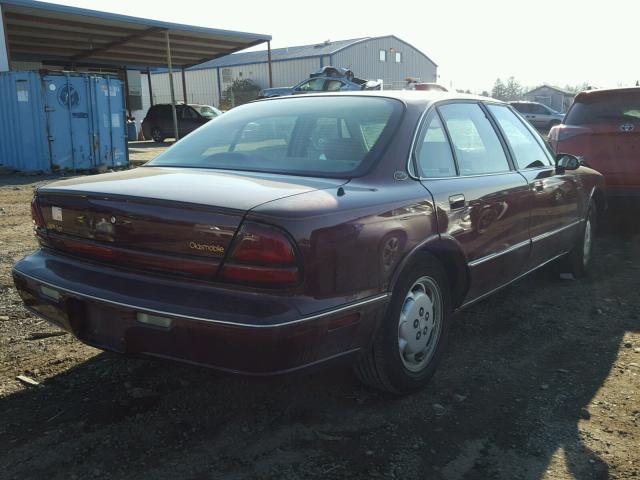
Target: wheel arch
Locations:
point(449, 253)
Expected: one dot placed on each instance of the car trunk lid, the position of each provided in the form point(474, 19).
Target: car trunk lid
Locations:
point(166, 219)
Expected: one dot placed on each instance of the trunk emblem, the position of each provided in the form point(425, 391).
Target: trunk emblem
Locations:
point(627, 127)
point(211, 248)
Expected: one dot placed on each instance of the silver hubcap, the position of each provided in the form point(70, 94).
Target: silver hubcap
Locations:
point(420, 324)
point(586, 245)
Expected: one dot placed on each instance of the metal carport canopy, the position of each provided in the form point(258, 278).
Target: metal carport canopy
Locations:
point(39, 31)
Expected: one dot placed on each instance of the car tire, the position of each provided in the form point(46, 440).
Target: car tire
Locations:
point(580, 256)
point(412, 336)
point(156, 135)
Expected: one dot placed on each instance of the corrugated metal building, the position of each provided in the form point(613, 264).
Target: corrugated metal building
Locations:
point(553, 97)
point(387, 58)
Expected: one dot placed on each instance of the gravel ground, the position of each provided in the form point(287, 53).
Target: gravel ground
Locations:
point(541, 381)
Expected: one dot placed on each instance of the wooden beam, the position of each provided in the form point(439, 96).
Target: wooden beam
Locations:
point(68, 24)
point(45, 42)
point(20, 40)
point(117, 43)
point(56, 34)
point(200, 42)
point(128, 58)
point(135, 59)
point(157, 46)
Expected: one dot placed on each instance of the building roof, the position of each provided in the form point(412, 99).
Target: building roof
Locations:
point(561, 90)
point(38, 31)
point(278, 54)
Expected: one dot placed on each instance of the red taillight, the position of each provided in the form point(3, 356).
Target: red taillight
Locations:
point(262, 245)
point(36, 214)
point(261, 255)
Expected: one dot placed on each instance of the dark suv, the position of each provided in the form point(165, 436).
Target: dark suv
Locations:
point(158, 124)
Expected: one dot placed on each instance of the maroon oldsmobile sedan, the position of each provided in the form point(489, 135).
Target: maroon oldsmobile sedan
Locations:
point(303, 230)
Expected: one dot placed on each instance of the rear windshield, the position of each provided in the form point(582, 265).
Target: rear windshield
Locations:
point(618, 107)
point(319, 136)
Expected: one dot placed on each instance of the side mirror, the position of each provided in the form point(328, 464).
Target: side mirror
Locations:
point(566, 161)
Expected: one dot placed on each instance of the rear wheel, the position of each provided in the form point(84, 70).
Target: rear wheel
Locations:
point(156, 134)
point(579, 258)
point(412, 336)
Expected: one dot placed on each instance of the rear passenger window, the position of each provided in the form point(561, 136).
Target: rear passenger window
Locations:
point(477, 147)
point(433, 152)
point(526, 149)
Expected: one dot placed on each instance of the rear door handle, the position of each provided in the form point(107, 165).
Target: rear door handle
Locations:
point(538, 186)
point(456, 201)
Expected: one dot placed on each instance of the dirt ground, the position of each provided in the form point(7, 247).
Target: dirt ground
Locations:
point(541, 381)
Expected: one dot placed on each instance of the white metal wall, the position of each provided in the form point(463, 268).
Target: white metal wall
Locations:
point(285, 74)
point(364, 59)
point(202, 87)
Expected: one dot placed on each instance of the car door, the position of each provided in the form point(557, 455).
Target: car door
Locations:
point(482, 204)
point(165, 120)
point(309, 86)
point(556, 201)
point(188, 120)
point(334, 85)
point(539, 116)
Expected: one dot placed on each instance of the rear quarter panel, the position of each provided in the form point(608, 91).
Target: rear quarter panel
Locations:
point(351, 243)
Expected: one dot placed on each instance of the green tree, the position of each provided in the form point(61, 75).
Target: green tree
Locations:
point(241, 91)
point(577, 88)
point(513, 90)
point(499, 90)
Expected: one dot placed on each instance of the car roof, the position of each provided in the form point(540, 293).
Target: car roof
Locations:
point(181, 103)
point(590, 95)
point(406, 96)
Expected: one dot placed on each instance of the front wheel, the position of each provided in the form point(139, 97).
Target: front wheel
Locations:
point(411, 338)
point(579, 258)
point(156, 134)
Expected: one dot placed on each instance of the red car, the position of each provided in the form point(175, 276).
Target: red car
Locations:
point(602, 128)
point(299, 231)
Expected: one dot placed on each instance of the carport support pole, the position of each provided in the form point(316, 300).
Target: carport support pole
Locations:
point(150, 87)
point(269, 60)
point(184, 86)
point(173, 93)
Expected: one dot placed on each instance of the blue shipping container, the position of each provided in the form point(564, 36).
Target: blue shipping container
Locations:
point(23, 128)
point(79, 119)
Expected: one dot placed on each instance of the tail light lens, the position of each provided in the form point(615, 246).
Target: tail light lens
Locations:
point(261, 255)
point(36, 214)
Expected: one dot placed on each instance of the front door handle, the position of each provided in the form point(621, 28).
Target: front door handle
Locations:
point(538, 186)
point(456, 201)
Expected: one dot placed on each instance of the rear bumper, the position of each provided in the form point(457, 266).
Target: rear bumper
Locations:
point(240, 332)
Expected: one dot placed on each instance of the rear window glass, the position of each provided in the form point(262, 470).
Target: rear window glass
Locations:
point(621, 107)
point(322, 136)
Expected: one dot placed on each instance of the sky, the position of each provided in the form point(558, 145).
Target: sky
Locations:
point(558, 42)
